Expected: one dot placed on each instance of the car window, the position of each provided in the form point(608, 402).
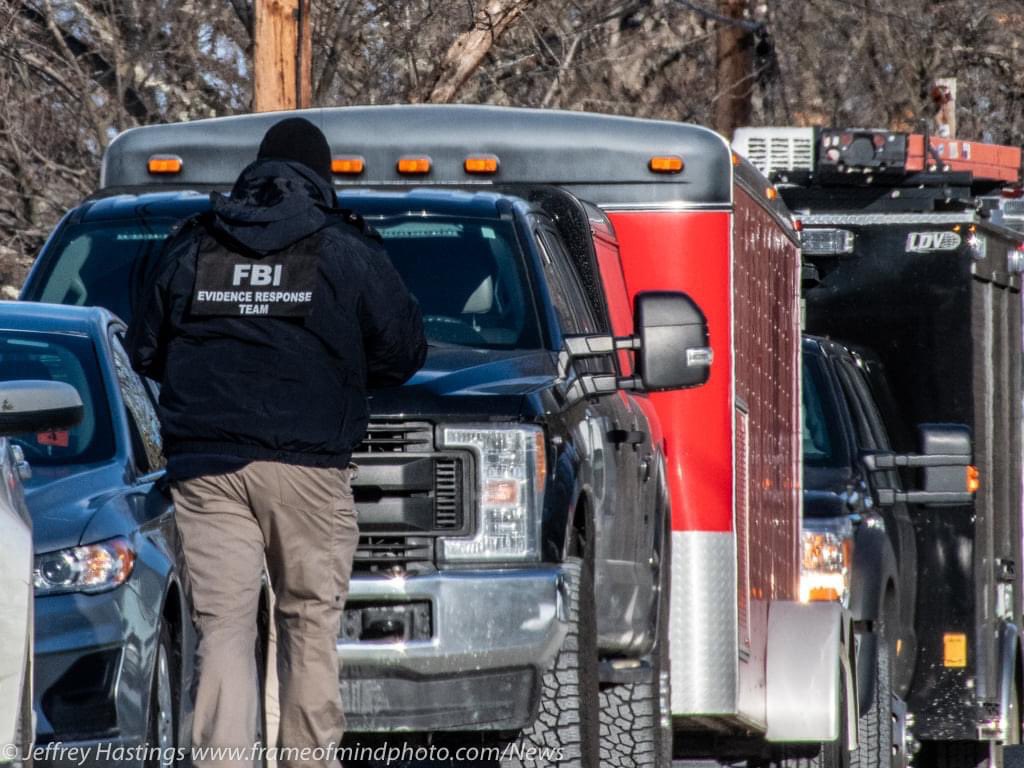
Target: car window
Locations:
point(822, 432)
point(142, 419)
point(574, 311)
point(69, 358)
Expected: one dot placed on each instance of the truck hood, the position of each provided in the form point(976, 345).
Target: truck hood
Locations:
point(463, 381)
point(63, 500)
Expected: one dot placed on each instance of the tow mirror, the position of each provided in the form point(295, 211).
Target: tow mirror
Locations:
point(671, 346)
point(673, 351)
point(38, 406)
point(946, 474)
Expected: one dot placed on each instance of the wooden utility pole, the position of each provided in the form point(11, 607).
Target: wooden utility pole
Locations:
point(734, 68)
point(281, 59)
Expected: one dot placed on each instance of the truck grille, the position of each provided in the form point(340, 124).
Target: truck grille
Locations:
point(407, 493)
point(397, 437)
point(384, 553)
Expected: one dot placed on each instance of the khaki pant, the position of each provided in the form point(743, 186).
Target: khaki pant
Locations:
point(301, 522)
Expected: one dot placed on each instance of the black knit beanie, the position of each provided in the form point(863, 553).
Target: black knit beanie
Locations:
point(298, 140)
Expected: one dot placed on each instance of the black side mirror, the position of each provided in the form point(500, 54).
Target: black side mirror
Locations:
point(946, 477)
point(673, 333)
point(38, 406)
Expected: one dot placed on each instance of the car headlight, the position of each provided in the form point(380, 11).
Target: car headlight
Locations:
point(511, 468)
point(826, 559)
point(89, 568)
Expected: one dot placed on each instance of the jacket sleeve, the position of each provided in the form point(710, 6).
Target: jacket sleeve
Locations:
point(149, 330)
point(392, 326)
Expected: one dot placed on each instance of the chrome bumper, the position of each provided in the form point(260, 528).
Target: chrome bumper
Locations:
point(494, 634)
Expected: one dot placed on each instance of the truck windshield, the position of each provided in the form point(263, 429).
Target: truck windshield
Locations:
point(823, 443)
point(467, 273)
point(70, 359)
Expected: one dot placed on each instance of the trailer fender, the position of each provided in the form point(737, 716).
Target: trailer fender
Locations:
point(874, 565)
point(810, 654)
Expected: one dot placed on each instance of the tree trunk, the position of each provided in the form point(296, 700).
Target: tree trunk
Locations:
point(734, 70)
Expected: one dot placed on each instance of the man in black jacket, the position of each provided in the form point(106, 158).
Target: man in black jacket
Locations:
point(265, 321)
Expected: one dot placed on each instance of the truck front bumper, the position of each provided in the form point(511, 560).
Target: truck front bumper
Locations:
point(494, 632)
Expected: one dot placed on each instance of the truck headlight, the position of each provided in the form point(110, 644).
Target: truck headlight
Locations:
point(90, 568)
point(511, 466)
point(826, 559)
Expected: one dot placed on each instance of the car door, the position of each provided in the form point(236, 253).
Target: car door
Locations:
point(613, 485)
point(874, 436)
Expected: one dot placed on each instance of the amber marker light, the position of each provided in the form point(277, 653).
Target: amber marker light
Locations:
point(481, 164)
point(666, 164)
point(164, 164)
point(348, 165)
point(414, 164)
point(771, 193)
point(973, 479)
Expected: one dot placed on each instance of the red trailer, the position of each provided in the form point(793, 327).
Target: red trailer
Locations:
point(750, 665)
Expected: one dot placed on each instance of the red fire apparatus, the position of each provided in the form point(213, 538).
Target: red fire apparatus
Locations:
point(751, 667)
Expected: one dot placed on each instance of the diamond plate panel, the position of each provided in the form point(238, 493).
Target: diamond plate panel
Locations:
point(702, 623)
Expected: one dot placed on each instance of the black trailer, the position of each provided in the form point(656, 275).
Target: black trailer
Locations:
point(937, 296)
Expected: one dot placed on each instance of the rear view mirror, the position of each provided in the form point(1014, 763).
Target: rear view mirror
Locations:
point(38, 406)
point(673, 351)
point(946, 477)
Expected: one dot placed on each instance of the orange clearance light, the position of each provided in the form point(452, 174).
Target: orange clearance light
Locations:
point(956, 227)
point(973, 479)
point(736, 159)
point(348, 165)
point(481, 164)
point(414, 164)
point(666, 164)
point(164, 164)
point(771, 193)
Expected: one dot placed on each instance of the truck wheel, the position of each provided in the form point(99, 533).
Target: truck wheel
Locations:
point(875, 746)
point(567, 721)
point(636, 718)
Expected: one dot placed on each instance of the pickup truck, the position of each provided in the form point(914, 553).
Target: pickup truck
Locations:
point(855, 550)
point(512, 505)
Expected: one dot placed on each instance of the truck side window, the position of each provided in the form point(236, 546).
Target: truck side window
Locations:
point(574, 311)
point(142, 419)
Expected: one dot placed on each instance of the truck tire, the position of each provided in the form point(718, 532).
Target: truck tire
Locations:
point(636, 718)
point(875, 747)
point(567, 721)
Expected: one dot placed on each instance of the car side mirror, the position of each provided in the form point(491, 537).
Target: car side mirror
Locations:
point(38, 406)
point(673, 350)
point(946, 475)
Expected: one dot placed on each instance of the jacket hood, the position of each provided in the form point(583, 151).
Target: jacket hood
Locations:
point(273, 204)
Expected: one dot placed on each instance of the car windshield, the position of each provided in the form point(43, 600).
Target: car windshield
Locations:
point(71, 359)
point(823, 444)
point(467, 273)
